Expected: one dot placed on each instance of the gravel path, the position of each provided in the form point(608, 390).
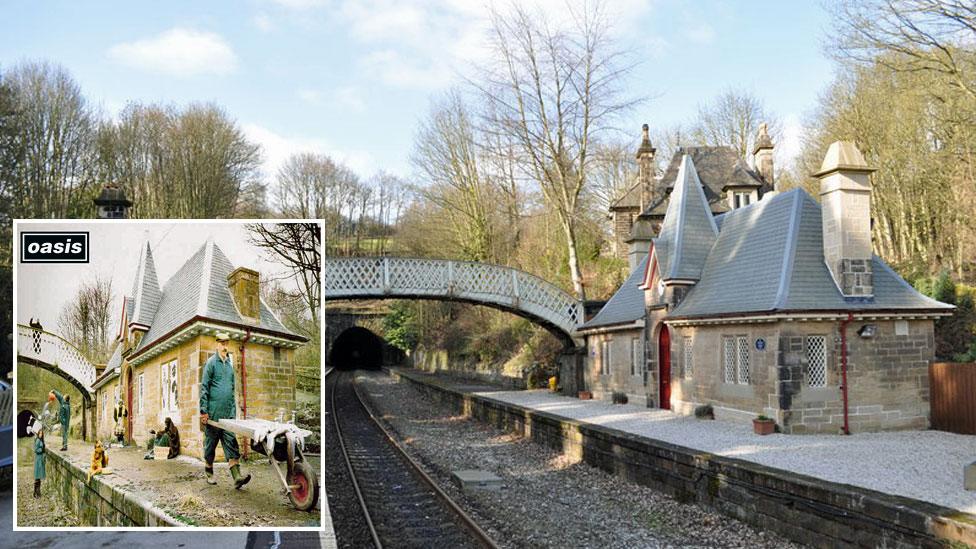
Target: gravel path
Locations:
point(924, 465)
point(547, 501)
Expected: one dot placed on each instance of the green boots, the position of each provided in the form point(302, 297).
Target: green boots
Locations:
point(239, 481)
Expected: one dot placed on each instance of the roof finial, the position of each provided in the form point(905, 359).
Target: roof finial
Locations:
point(763, 141)
point(645, 146)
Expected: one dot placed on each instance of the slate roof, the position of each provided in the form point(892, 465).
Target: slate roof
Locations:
point(199, 288)
point(630, 199)
point(626, 305)
point(718, 168)
point(768, 258)
point(145, 290)
point(689, 229)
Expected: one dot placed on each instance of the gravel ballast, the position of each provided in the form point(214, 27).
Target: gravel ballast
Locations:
point(546, 499)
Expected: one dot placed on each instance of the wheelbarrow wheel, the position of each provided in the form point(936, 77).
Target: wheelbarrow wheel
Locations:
point(305, 493)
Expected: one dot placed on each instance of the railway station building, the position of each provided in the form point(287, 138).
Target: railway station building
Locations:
point(166, 335)
point(760, 302)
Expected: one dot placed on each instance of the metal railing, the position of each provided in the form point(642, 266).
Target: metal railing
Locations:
point(512, 289)
point(55, 351)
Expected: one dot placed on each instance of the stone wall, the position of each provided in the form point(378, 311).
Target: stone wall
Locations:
point(624, 376)
point(96, 503)
point(706, 384)
point(805, 509)
point(270, 388)
point(887, 376)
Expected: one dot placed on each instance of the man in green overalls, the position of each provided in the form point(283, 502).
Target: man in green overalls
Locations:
point(64, 414)
point(217, 402)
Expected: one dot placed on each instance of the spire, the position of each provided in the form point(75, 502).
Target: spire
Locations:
point(689, 229)
point(145, 290)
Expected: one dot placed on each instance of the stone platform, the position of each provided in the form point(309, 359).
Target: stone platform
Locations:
point(764, 481)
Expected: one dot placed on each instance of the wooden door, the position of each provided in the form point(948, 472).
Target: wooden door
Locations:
point(128, 406)
point(664, 367)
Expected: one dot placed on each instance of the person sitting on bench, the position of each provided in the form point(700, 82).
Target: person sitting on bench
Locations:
point(169, 436)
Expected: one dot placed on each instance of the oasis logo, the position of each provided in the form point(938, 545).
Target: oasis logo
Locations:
point(53, 247)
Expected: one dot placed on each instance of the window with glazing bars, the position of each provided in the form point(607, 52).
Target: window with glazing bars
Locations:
point(743, 364)
point(637, 356)
point(689, 358)
point(817, 361)
point(605, 358)
point(728, 352)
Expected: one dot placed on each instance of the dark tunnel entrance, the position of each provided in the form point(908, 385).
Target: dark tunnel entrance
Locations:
point(23, 418)
point(357, 348)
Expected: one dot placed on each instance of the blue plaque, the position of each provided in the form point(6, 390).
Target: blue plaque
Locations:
point(760, 344)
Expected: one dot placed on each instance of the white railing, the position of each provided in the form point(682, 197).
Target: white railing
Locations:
point(6, 404)
point(512, 289)
point(53, 350)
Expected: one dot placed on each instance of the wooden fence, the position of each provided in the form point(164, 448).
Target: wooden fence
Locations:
point(953, 397)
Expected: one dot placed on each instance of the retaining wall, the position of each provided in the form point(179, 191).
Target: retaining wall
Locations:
point(802, 508)
point(96, 503)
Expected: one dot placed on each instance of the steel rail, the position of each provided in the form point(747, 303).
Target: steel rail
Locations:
point(352, 473)
point(465, 519)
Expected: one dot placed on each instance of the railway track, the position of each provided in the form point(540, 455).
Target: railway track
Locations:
point(401, 505)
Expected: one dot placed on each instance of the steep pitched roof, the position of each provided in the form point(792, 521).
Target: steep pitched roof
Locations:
point(718, 168)
point(689, 229)
point(145, 290)
point(626, 305)
point(629, 199)
point(199, 288)
point(769, 258)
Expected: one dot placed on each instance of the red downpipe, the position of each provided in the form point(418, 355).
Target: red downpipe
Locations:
point(247, 336)
point(843, 365)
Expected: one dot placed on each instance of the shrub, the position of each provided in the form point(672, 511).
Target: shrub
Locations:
point(619, 397)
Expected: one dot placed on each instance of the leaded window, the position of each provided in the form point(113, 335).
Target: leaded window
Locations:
point(689, 358)
point(728, 347)
point(735, 351)
point(743, 365)
point(817, 361)
point(637, 356)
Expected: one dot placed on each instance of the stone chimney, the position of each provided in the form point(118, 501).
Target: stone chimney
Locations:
point(845, 198)
point(111, 203)
point(762, 155)
point(245, 289)
point(645, 169)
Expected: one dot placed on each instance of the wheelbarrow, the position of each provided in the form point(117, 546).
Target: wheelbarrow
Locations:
point(281, 443)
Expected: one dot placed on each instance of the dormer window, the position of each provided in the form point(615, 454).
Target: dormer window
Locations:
point(741, 199)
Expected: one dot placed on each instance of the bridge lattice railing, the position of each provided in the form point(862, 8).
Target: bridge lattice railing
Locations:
point(477, 282)
point(55, 351)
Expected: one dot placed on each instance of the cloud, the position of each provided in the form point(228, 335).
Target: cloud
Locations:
point(308, 95)
point(263, 22)
point(350, 97)
point(178, 52)
point(276, 148)
point(301, 4)
point(701, 33)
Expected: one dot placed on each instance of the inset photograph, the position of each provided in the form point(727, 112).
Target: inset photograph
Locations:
point(167, 374)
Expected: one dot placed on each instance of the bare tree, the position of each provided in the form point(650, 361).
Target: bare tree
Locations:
point(732, 120)
point(86, 320)
point(446, 154)
point(298, 247)
point(555, 91)
point(54, 136)
point(935, 36)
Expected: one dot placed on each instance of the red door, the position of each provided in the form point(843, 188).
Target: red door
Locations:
point(128, 406)
point(664, 360)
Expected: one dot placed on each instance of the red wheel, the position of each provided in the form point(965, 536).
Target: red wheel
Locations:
point(305, 487)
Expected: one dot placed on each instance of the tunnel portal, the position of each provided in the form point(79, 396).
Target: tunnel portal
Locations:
point(357, 348)
point(23, 418)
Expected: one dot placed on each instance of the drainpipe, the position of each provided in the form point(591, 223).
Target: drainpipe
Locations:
point(843, 365)
point(247, 336)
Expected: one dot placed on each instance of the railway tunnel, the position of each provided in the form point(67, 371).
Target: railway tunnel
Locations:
point(359, 348)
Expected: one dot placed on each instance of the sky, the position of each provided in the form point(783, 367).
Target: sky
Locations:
point(352, 78)
point(42, 290)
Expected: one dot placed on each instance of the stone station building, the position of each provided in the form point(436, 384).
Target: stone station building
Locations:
point(166, 335)
point(765, 307)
